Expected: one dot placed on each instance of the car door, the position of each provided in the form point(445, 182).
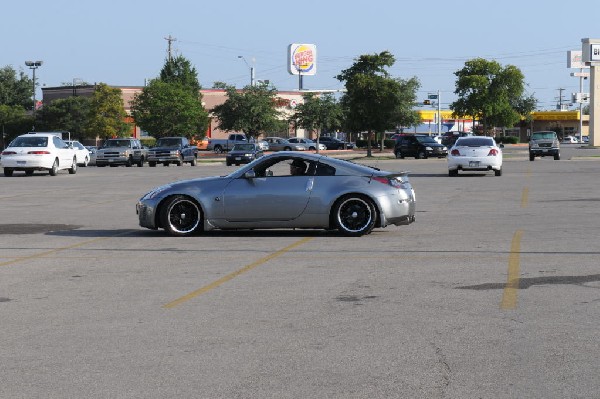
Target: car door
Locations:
point(272, 198)
point(65, 152)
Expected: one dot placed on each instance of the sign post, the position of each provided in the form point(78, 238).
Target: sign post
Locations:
point(590, 49)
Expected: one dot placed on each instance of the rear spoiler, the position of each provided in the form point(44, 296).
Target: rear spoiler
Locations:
point(393, 175)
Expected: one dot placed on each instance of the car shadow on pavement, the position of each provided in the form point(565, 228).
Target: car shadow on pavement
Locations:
point(215, 233)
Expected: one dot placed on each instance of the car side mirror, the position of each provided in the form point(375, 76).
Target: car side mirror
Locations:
point(250, 174)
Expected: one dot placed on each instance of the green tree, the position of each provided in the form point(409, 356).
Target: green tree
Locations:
point(491, 93)
point(13, 119)
point(180, 70)
point(374, 101)
point(107, 115)
point(67, 114)
point(15, 89)
point(252, 110)
point(169, 109)
point(317, 113)
point(172, 104)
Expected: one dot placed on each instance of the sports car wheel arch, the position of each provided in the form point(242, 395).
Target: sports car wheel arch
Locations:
point(354, 215)
point(181, 215)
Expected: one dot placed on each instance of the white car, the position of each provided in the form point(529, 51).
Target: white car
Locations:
point(311, 144)
point(38, 151)
point(473, 153)
point(570, 140)
point(81, 152)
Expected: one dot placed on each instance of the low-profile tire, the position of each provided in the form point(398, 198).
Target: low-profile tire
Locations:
point(452, 172)
point(129, 162)
point(398, 155)
point(354, 215)
point(287, 149)
point(218, 149)
point(54, 169)
point(140, 163)
point(181, 216)
point(193, 161)
point(531, 157)
point(86, 161)
point(8, 172)
point(73, 168)
point(498, 172)
point(557, 156)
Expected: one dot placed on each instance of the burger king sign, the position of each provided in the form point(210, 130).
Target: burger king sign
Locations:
point(302, 59)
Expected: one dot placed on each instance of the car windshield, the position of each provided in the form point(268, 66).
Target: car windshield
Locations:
point(425, 139)
point(168, 142)
point(29, 142)
point(475, 142)
point(243, 147)
point(116, 143)
point(543, 136)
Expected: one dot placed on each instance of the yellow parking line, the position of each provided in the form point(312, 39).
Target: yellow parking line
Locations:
point(41, 255)
point(525, 197)
point(230, 276)
point(509, 296)
point(55, 250)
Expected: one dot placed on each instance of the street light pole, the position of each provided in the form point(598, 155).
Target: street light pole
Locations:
point(33, 65)
point(251, 70)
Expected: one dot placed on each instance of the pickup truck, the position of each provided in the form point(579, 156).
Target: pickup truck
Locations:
point(168, 150)
point(123, 151)
point(221, 145)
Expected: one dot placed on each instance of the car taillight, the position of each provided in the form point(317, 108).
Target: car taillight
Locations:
point(391, 182)
point(493, 152)
point(9, 153)
point(39, 152)
point(455, 152)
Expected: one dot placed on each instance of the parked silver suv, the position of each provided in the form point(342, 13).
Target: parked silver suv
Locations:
point(544, 143)
point(122, 151)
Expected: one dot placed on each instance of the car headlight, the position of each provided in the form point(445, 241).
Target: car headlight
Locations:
point(428, 149)
point(534, 145)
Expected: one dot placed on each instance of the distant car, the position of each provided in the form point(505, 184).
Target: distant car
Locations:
point(570, 140)
point(263, 145)
point(243, 153)
point(93, 150)
point(473, 154)
point(419, 146)
point(38, 151)
point(544, 143)
point(449, 138)
point(312, 145)
point(333, 143)
point(281, 144)
point(81, 152)
point(437, 138)
point(268, 193)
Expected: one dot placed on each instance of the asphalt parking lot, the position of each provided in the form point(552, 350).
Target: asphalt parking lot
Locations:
point(493, 292)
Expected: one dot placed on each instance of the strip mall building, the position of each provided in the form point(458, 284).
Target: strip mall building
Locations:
point(566, 122)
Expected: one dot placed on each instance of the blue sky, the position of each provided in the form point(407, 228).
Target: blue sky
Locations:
point(123, 42)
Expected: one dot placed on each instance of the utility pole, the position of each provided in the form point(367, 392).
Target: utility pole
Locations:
point(560, 97)
point(170, 39)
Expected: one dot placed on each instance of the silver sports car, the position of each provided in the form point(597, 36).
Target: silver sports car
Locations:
point(283, 190)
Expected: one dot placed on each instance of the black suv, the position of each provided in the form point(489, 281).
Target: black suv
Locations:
point(419, 146)
point(335, 144)
point(449, 138)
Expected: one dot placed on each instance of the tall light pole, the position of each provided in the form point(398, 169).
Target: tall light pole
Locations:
point(33, 65)
point(251, 70)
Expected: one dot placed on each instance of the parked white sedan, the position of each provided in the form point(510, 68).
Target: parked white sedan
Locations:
point(81, 152)
point(38, 151)
point(475, 153)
